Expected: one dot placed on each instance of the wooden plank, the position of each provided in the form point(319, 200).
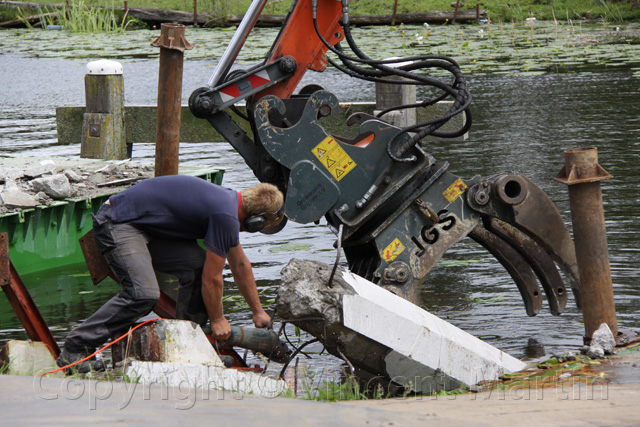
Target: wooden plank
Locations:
point(140, 122)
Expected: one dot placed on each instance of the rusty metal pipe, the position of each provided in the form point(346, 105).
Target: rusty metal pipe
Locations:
point(172, 44)
point(583, 174)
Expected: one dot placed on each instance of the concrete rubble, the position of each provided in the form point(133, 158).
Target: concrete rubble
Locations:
point(29, 182)
point(388, 340)
point(27, 358)
point(602, 342)
point(176, 353)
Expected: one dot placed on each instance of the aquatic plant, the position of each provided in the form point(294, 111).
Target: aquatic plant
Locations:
point(79, 18)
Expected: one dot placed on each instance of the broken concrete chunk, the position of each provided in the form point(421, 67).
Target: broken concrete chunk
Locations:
point(10, 174)
point(12, 197)
point(72, 176)
point(595, 352)
point(42, 198)
point(206, 377)
point(44, 168)
point(55, 186)
point(604, 338)
point(111, 169)
point(177, 353)
point(602, 342)
point(385, 335)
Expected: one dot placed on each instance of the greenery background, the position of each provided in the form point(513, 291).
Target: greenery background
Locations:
point(498, 10)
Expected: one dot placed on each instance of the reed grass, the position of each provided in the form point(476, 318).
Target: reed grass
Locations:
point(79, 18)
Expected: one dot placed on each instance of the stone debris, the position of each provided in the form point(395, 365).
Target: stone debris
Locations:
point(177, 353)
point(55, 186)
point(27, 182)
point(72, 176)
point(44, 168)
point(602, 342)
point(13, 197)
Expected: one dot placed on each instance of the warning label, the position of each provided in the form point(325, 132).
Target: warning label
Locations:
point(334, 158)
point(392, 251)
point(454, 190)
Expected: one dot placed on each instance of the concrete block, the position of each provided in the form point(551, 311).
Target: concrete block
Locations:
point(45, 167)
point(17, 199)
point(168, 341)
point(28, 358)
point(205, 377)
point(428, 354)
point(55, 186)
point(10, 174)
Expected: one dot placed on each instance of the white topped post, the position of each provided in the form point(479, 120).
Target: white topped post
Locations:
point(103, 126)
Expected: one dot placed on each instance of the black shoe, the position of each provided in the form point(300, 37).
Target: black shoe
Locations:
point(67, 358)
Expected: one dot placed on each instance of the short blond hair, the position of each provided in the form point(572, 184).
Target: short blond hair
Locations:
point(262, 199)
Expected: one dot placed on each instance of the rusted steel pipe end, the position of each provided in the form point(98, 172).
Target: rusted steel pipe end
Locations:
point(583, 174)
point(172, 37)
point(172, 44)
point(581, 166)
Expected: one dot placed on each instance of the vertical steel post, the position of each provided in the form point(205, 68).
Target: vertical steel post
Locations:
point(583, 174)
point(172, 44)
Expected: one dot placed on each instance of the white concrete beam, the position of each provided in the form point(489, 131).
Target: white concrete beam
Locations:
point(429, 354)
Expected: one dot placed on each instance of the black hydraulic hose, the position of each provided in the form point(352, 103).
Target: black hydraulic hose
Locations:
point(404, 68)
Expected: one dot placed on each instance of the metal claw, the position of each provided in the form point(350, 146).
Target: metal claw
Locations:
point(515, 264)
point(539, 260)
point(519, 202)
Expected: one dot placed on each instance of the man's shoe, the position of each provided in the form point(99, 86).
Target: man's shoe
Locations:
point(67, 358)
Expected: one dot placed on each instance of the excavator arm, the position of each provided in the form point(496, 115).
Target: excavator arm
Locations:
point(396, 209)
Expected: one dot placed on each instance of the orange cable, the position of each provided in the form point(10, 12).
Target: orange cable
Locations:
point(103, 348)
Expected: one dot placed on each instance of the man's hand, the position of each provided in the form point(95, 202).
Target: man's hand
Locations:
point(261, 319)
point(220, 329)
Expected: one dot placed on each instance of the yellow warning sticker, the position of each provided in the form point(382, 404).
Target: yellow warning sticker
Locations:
point(454, 190)
point(392, 251)
point(334, 158)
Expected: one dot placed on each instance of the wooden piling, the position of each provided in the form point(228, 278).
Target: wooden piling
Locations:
point(390, 95)
point(103, 130)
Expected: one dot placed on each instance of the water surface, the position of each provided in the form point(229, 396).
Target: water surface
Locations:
point(523, 121)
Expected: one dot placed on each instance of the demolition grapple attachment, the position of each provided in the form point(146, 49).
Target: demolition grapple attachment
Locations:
point(395, 208)
point(399, 218)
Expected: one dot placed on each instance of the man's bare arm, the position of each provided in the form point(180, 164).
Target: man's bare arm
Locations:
point(243, 277)
point(212, 290)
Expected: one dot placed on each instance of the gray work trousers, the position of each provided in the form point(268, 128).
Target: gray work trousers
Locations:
point(134, 256)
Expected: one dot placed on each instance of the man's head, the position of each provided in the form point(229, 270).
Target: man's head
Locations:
point(261, 200)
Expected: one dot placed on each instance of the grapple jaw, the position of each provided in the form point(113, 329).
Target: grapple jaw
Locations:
point(523, 229)
point(398, 218)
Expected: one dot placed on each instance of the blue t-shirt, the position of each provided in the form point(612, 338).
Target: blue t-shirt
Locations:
point(181, 207)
